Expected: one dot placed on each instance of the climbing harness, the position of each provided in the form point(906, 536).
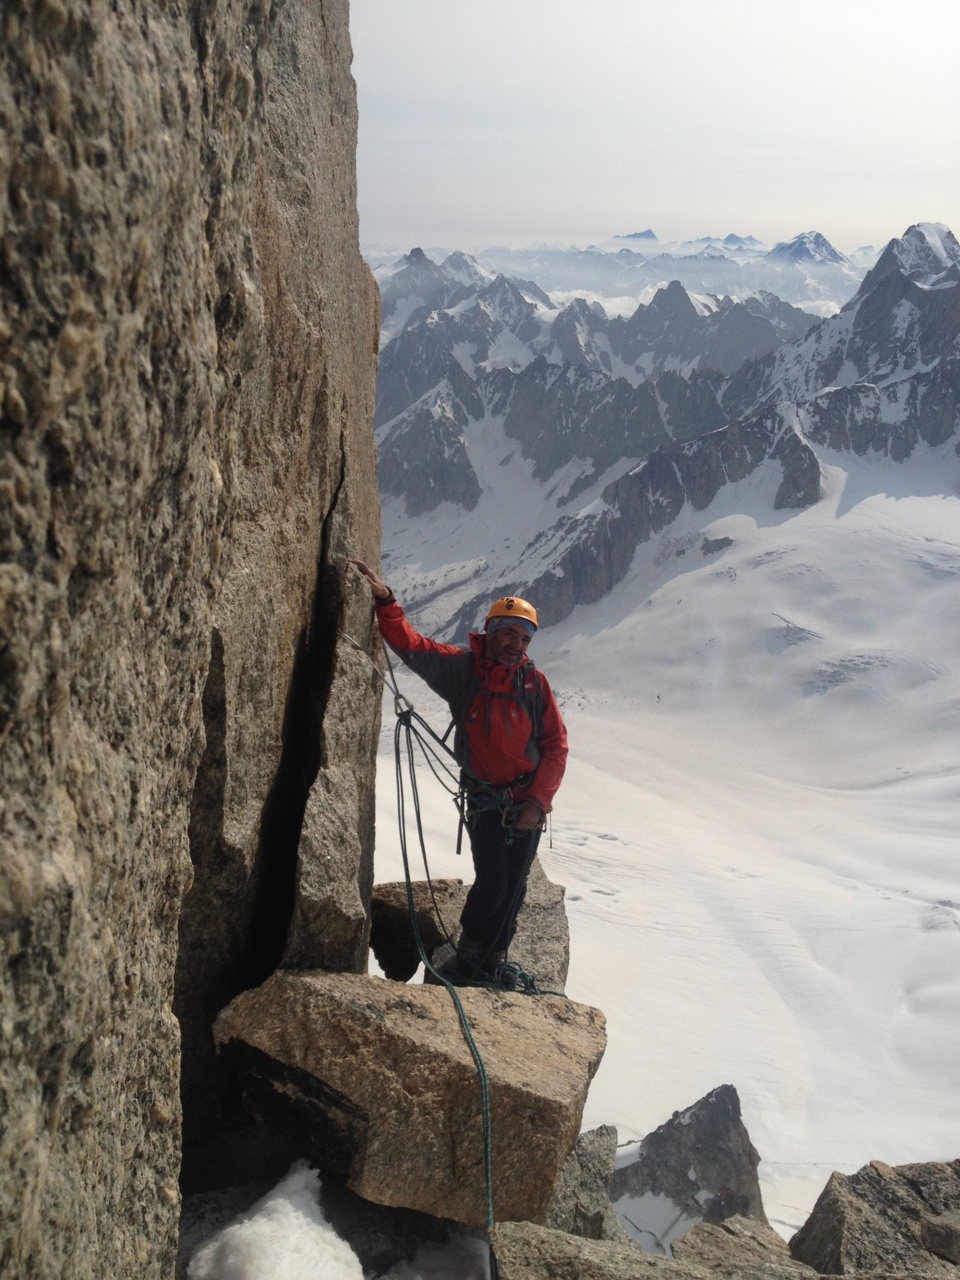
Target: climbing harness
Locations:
point(412, 731)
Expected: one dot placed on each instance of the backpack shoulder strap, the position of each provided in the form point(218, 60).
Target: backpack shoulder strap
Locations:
point(530, 694)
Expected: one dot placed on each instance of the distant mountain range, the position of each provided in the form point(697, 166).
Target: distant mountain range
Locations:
point(806, 271)
point(534, 446)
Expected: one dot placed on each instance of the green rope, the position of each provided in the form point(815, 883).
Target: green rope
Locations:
point(404, 722)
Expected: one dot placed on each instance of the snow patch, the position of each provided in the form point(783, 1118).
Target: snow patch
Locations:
point(285, 1234)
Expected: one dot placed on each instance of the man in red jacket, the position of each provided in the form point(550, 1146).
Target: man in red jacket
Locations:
point(511, 745)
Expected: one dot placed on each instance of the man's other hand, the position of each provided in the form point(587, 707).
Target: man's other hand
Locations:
point(529, 816)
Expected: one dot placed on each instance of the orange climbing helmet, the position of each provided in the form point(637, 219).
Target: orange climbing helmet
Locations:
point(513, 607)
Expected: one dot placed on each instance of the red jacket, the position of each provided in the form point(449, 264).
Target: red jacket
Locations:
point(493, 708)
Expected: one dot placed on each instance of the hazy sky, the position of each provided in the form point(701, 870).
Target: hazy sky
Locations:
point(569, 121)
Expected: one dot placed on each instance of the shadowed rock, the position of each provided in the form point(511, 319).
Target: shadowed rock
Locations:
point(882, 1219)
point(379, 1082)
point(941, 1235)
point(701, 1164)
point(581, 1205)
point(391, 935)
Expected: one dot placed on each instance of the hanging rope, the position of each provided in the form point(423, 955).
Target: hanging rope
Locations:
point(404, 730)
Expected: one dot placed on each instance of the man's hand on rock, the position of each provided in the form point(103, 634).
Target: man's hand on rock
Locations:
point(378, 587)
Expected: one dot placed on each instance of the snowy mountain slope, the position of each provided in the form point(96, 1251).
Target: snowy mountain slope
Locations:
point(905, 317)
point(757, 832)
point(882, 376)
point(885, 372)
point(810, 246)
point(487, 324)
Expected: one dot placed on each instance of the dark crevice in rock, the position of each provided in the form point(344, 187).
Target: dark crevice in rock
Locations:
point(301, 757)
point(205, 950)
point(206, 805)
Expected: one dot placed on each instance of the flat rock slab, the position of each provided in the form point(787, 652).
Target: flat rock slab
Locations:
point(380, 1084)
point(528, 1252)
point(739, 1246)
point(525, 1251)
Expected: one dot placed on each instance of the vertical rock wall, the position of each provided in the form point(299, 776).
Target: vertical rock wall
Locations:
point(187, 339)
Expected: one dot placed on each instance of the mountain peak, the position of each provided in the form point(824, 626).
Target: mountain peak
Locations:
point(809, 246)
point(927, 247)
point(923, 252)
point(465, 268)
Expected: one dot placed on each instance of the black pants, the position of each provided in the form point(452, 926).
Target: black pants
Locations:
point(501, 863)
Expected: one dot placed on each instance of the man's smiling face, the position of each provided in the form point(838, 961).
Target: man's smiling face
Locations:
point(508, 645)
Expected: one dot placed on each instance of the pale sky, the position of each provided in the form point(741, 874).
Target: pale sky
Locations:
point(514, 122)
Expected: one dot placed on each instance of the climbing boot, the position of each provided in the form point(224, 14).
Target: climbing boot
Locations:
point(471, 957)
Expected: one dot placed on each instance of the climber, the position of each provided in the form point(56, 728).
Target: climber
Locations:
point(511, 745)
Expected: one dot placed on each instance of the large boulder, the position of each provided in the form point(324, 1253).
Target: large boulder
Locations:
point(700, 1166)
point(379, 1082)
point(541, 946)
point(884, 1219)
point(187, 365)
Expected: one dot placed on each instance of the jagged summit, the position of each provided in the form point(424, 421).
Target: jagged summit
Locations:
point(639, 235)
point(465, 268)
point(809, 246)
point(923, 253)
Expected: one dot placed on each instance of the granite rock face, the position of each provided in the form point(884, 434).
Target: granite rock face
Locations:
point(884, 1219)
point(379, 1081)
point(187, 341)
